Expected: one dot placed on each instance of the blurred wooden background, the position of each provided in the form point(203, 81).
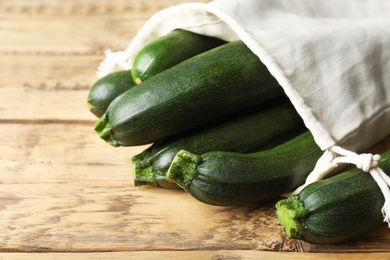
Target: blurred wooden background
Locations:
point(66, 193)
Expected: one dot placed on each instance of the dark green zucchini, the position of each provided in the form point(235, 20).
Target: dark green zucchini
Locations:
point(106, 89)
point(227, 178)
point(335, 209)
point(198, 90)
point(253, 130)
point(169, 50)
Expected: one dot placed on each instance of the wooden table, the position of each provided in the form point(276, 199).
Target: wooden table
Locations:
point(66, 193)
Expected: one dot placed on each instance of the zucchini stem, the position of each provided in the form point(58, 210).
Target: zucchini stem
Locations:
point(183, 168)
point(290, 213)
point(103, 128)
point(137, 80)
point(144, 172)
point(90, 106)
point(146, 176)
point(141, 157)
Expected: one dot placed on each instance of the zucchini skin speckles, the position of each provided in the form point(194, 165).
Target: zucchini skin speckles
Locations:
point(106, 89)
point(252, 130)
point(228, 178)
point(169, 50)
point(216, 83)
point(335, 209)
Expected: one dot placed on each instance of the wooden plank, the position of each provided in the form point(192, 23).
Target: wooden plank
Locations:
point(49, 63)
point(212, 255)
point(55, 8)
point(63, 189)
point(73, 27)
point(41, 87)
point(65, 36)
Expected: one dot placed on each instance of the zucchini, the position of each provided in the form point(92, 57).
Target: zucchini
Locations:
point(249, 131)
point(335, 209)
point(106, 89)
point(169, 50)
point(228, 178)
point(226, 79)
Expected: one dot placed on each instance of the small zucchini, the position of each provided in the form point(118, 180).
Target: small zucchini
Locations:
point(213, 84)
point(228, 178)
point(169, 50)
point(335, 209)
point(107, 89)
point(253, 130)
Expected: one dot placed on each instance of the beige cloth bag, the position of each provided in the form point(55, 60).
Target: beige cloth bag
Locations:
point(332, 58)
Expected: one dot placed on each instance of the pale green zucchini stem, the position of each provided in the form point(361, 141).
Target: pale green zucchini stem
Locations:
point(142, 159)
point(146, 176)
point(183, 168)
point(103, 128)
point(290, 213)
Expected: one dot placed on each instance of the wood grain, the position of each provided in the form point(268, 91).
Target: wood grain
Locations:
point(73, 27)
point(66, 193)
point(60, 37)
point(135, 8)
point(46, 87)
point(206, 254)
point(74, 192)
point(63, 189)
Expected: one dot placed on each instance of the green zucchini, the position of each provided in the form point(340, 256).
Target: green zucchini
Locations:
point(249, 131)
point(335, 209)
point(228, 178)
point(169, 50)
point(213, 84)
point(107, 89)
